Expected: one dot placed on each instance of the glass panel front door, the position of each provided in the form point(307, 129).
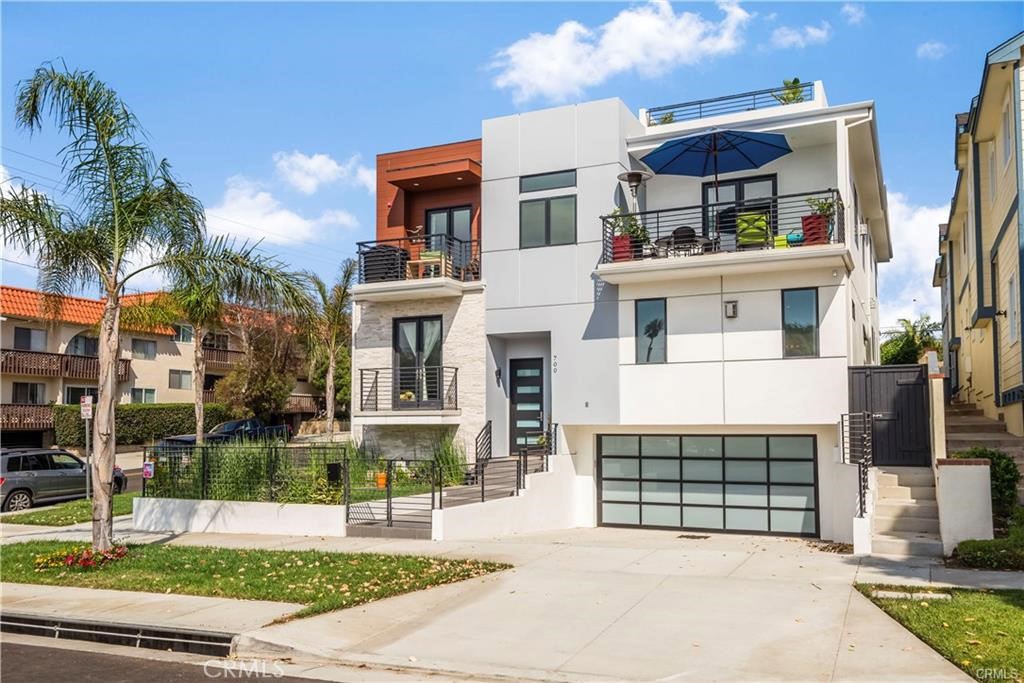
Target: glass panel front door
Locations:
point(526, 401)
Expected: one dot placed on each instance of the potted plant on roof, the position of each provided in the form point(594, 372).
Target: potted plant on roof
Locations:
point(628, 236)
point(818, 225)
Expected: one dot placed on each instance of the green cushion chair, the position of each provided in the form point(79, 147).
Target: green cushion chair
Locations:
point(751, 230)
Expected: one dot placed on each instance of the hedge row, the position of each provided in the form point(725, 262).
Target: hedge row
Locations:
point(998, 553)
point(138, 423)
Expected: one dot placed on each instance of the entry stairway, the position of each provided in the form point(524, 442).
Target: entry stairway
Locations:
point(967, 426)
point(906, 519)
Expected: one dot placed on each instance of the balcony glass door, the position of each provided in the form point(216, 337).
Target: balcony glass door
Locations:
point(452, 222)
point(417, 375)
point(741, 212)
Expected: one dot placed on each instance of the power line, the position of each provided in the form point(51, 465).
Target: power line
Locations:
point(29, 156)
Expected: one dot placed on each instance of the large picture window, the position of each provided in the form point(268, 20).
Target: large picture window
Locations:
point(799, 323)
point(651, 331)
point(547, 222)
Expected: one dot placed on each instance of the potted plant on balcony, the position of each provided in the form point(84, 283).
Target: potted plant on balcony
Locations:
point(628, 236)
point(818, 225)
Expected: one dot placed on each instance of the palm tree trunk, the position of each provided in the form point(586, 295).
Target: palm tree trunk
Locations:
point(104, 439)
point(329, 382)
point(199, 380)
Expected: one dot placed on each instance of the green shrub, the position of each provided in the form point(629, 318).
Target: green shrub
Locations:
point(1004, 475)
point(138, 423)
point(450, 457)
point(999, 553)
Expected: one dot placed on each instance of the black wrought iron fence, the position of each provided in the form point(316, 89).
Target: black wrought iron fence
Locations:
point(480, 482)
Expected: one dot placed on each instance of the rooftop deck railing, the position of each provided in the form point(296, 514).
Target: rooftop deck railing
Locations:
point(417, 258)
point(730, 104)
point(775, 222)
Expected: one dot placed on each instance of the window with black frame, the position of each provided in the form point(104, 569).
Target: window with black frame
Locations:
point(651, 331)
point(449, 232)
point(799, 323)
point(417, 371)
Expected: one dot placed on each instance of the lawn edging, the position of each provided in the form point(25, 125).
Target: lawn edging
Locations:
point(179, 515)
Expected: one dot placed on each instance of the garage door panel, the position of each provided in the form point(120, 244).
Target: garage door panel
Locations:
point(744, 483)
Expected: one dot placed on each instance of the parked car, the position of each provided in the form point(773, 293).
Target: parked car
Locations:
point(29, 476)
point(249, 429)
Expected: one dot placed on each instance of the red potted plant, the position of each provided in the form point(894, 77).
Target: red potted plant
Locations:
point(628, 236)
point(817, 226)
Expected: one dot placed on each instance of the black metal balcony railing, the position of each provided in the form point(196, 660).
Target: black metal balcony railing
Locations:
point(420, 388)
point(730, 104)
point(416, 258)
point(41, 364)
point(778, 222)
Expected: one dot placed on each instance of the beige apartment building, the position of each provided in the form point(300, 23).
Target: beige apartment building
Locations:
point(981, 249)
point(48, 362)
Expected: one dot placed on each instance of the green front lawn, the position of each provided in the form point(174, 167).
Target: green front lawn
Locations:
point(982, 632)
point(71, 512)
point(319, 580)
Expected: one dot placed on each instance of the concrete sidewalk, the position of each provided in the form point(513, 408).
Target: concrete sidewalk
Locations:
point(600, 604)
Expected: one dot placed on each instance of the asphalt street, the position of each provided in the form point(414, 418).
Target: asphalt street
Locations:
point(39, 664)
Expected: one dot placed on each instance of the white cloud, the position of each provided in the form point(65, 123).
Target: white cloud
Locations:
point(854, 13)
point(648, 40)
point(787, 36)
point(932, 49)
point(905, 283)
point(306, 173)
point(250, 212)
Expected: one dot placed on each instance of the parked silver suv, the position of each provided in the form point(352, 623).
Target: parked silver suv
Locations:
point(29, 476)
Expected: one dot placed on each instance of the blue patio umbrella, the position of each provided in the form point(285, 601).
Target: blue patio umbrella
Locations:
point(717, 151)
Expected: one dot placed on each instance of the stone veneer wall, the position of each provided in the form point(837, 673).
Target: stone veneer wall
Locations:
point(463, 347)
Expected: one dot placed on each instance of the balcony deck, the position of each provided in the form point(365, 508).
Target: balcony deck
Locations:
point(18, 416)
point(733, 104)
point(763, 232)
point(222, 359)
point(42, 364)
point(417, 267)
point(422, 395)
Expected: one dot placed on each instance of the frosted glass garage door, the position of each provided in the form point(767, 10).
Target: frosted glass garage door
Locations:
point(756, 484)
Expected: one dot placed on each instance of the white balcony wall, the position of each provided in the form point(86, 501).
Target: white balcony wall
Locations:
point(806, 169)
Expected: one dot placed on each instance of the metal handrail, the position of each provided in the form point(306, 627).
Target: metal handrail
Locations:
point(418, 258)
point(857, 450)
point(419, 388)
point(483, 443)
point(772, 222)
point(726, 104)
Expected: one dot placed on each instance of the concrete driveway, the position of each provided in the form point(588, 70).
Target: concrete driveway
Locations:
point(611, 604)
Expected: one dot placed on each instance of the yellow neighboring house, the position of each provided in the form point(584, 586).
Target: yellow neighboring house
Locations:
point(49, 361)
point(981, 248)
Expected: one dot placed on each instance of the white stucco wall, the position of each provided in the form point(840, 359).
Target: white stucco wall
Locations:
point(549, 502)
point(232, 517)
point(965, 502)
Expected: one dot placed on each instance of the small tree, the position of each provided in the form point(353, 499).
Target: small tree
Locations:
point(328, 329)
point(792, 91)
point(906, 343)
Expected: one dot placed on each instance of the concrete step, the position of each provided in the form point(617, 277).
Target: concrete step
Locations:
point(906, 543)
point(914, 493)
point(961, 442)
point(988, 426)
point(882, 525)
point(918, 509)
point(960, 405)
point(905, 476)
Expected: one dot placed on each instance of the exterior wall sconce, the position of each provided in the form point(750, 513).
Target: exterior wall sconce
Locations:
point(497, 375)
point(732, 309)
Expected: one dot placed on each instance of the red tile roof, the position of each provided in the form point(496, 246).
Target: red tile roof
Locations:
point(28, 303)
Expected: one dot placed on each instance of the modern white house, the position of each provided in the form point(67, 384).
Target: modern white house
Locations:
point(697, 371)
point(698, 376)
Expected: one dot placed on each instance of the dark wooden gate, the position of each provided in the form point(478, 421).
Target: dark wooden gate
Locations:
point(897, 398)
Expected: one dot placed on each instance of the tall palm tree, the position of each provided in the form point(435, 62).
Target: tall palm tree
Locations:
point(921, 333)
point(126, 215)
point(328, 327)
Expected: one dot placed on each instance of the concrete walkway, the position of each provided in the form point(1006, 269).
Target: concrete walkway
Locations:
point(611, 604)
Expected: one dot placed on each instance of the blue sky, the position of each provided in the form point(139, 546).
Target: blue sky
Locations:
point(274, 112)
